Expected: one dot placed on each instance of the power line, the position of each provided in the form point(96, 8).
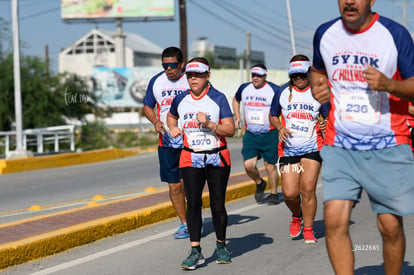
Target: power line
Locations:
point(38, 14)
point(233, 24)
point(248, 20)
point(259, 19)
point(217, 16)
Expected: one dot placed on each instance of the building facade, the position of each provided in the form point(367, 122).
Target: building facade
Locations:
point(97, 49)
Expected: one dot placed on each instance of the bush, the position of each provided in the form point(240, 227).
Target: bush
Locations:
point(94, 135)
point(148, 139)
point(127, 139)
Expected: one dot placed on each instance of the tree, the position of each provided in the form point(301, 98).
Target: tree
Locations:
point(46, 101)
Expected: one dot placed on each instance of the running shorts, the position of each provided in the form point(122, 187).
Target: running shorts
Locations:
point(261, 146)
point(386, 175)
point(169, 160)
point(296, 159)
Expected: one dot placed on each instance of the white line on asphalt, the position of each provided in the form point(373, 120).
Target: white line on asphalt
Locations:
point(119, 248)
point(69, 205)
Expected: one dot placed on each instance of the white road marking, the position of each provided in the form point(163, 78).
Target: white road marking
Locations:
point(70, 205)
point(129, 245)
point(119, 248)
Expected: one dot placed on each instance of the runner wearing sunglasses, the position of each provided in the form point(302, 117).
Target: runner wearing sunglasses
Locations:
point(162, 89)
point(300, 139)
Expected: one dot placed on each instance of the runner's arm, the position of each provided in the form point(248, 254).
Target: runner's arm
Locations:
point(236, 111)
point(320, 86)
point(152, 117)
point(376, 80)
point(283, 131)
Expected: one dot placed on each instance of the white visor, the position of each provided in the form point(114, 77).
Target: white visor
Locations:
point(301, 67)
point(258, 71)
point(196, 67)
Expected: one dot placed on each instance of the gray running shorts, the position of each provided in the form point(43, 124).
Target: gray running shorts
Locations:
point(387, 176)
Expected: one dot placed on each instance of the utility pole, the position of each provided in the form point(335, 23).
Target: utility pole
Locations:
point(292, 36)
point(183, 29)
point(47, 60)
point(248, 65)
point(119, 44)
point(404, 5)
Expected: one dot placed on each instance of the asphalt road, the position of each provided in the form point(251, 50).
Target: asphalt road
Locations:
point(75, 186)
point(257, 238)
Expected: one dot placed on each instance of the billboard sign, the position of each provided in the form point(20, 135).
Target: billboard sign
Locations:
point(122, 87)
point(127, 9)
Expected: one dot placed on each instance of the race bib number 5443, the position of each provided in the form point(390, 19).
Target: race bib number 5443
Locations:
point(301, 127)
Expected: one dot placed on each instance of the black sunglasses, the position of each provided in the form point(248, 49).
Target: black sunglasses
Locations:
point(257, 75)
point(172, 65)
point(300, 75)
point(196, 75)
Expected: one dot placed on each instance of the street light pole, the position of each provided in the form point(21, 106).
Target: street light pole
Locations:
point(183, 28)
point(17, 89)
point(292, 36)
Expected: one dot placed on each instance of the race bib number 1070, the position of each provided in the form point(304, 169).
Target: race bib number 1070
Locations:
point(202, 141)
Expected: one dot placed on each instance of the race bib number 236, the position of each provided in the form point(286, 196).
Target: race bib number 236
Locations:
point(360, 107)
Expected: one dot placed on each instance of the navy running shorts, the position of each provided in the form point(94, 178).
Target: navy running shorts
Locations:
point(169, 161)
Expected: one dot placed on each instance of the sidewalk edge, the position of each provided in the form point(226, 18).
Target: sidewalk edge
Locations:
point(39, 246)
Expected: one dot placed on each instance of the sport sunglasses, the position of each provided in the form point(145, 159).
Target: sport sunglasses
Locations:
point(172, 65)
point(300, 75)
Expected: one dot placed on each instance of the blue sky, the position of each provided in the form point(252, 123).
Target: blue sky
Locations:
point(223, 22)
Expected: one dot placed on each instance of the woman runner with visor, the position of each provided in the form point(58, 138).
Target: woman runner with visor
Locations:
point(204, 118)
point(300, 139)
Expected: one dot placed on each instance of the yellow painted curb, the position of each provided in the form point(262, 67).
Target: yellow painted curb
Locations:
point(50, 243)
point(60, 240)
point(98, 198)
point(61, 160)
point(35, 208)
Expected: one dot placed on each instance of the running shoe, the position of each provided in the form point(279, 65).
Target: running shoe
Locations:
point(223, 256)
point(260, 191)
point(308, 235)
point(182, 232)
point(194, 260)
point(273, 199)
point(295, 227)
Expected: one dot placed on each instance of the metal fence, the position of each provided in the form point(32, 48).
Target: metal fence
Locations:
point(39, 137)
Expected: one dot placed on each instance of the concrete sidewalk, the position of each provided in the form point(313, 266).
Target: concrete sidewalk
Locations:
point(34, 238)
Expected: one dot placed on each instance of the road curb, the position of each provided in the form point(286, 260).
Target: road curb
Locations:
point(55, 161)
point(57, 241)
